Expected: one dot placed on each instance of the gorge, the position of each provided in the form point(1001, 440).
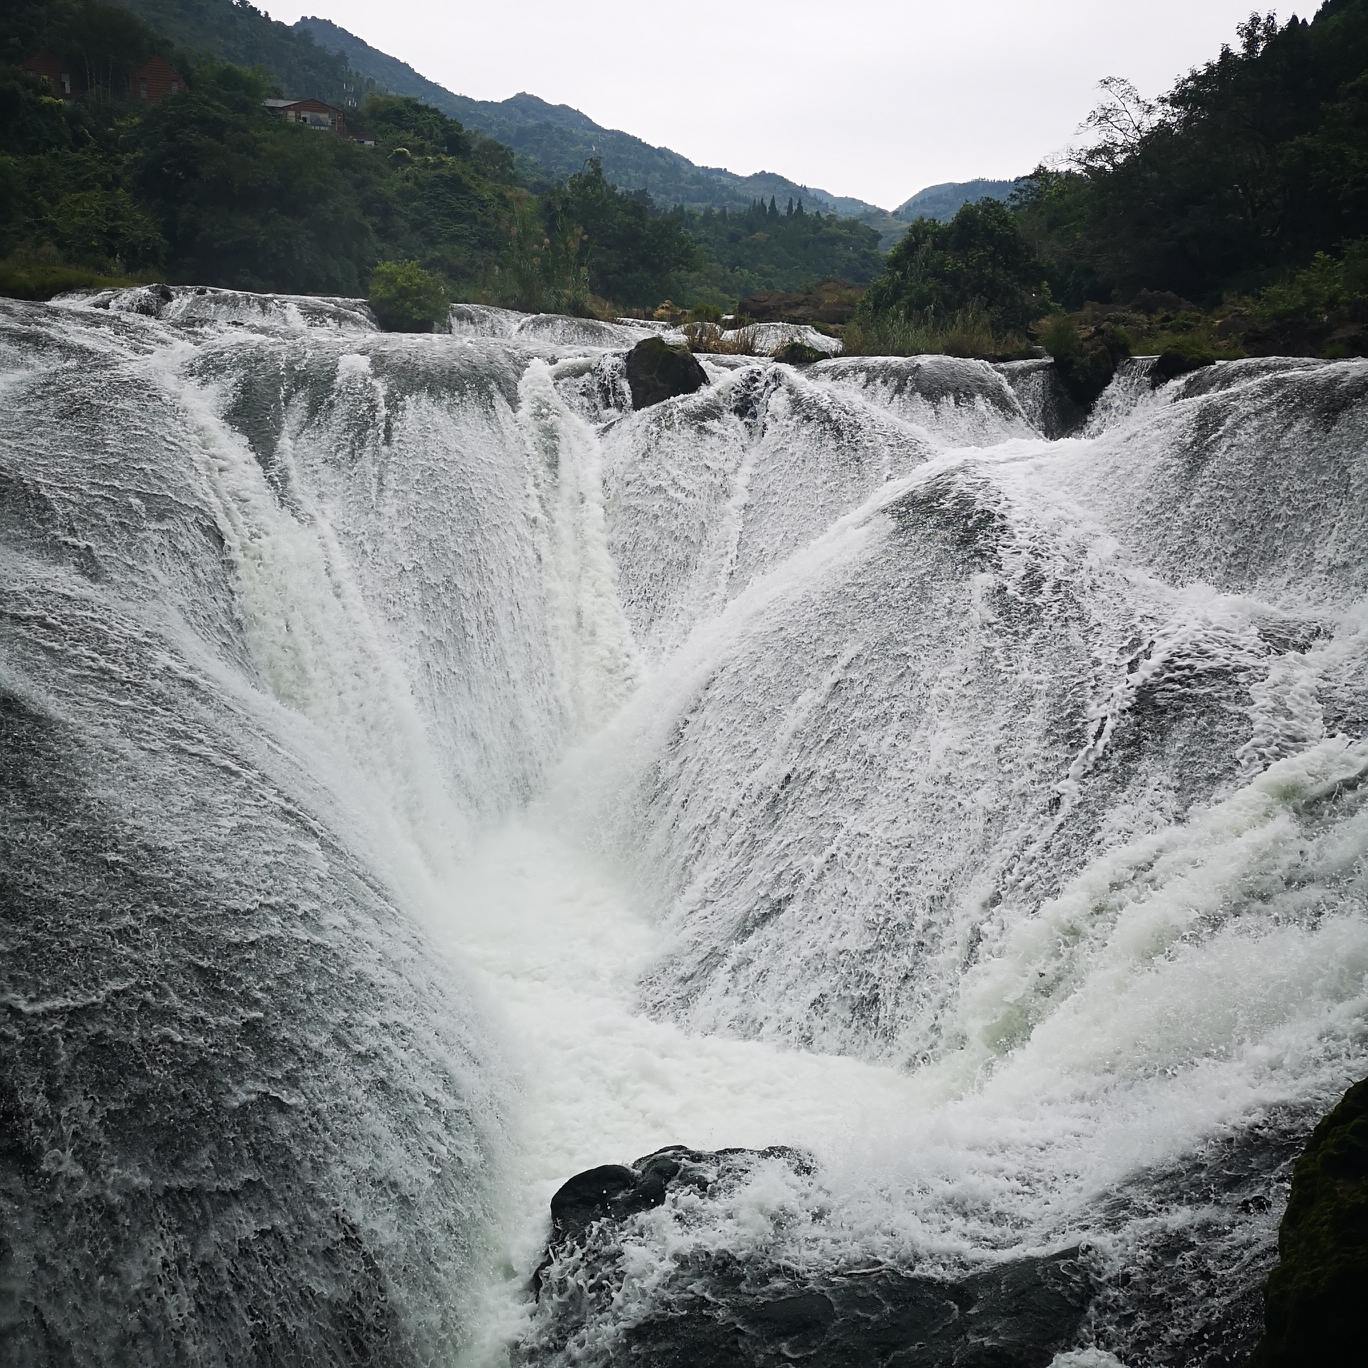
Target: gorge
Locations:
point(427, 777)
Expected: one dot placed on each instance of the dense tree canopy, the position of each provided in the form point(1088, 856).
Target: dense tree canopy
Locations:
point(1246, 168)
point(976, 261)
point(630, 251)
point(767, 247)
point(206, 186)
point(243, 200)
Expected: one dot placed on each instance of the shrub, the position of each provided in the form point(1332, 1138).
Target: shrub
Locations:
point(1085, 363)
point(406, 298)
point(40, 273)
point(1060, 336)
point(1320, 287)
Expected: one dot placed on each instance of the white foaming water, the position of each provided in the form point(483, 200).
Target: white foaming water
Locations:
point(821, 759)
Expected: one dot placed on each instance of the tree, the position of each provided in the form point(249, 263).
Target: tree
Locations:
point(976, 261)
point(250, 201)
point(1247, 167)
point(630, 251)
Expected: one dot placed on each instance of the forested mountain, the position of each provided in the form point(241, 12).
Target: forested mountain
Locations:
point(206, 187)
point(942, 202)
point(560, 139)
point(550, 142)
point(242, 34)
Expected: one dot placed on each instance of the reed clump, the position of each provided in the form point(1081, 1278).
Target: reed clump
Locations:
point(712, 339)
point(965, 332)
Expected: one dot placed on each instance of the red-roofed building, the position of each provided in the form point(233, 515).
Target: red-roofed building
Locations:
point(154, 80)
point(65, 81)
point(312, 113)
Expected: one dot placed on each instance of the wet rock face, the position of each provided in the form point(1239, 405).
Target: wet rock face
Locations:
point(657, 371)
point(1314, 1309)
point(828, 301)
point(1017, 1316)
point(714, 1308)
point(1175, 362)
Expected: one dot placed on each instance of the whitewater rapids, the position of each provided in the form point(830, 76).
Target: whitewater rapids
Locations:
point(426, 778)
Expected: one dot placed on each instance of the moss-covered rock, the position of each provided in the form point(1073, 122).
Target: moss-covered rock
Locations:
point(657, 371)
point(1316, 1299)
point(1190, 354)
point(798, 354)
point(1086, 359)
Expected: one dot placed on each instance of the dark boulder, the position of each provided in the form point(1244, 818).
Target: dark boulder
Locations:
point(657, 371)
point(1017, 1315)
point(613, 1191)
point(1315, 1307)
point(1176, 361)
point(716, 1310)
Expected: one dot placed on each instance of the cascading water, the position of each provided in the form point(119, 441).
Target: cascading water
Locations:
point(427, 778)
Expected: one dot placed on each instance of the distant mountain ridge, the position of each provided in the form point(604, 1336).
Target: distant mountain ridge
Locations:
point(560, 139)
point(317, 57)
point(943, 201)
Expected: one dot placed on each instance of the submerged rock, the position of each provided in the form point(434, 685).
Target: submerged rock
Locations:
point(1314, 1308)
point(657, 371)
point(704, 1305)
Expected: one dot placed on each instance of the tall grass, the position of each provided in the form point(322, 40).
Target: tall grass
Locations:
point(967, 332)
point(40, 273)
point(711, 339)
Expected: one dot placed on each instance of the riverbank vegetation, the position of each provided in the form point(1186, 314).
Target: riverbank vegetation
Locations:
point(1224, 218)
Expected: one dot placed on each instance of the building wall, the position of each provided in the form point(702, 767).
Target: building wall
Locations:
point(155, 80)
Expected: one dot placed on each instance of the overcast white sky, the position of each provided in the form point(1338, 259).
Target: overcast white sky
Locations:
point(872, 98)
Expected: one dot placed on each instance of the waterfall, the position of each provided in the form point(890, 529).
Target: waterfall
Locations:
point(426, 778)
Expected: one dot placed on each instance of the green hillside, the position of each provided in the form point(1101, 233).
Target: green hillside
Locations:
point(207, 187)
point(560, 139)
point(241, 34)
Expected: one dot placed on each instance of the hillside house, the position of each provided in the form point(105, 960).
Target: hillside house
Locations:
point(65, 81)
point(154, 80)
point(311, 113)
